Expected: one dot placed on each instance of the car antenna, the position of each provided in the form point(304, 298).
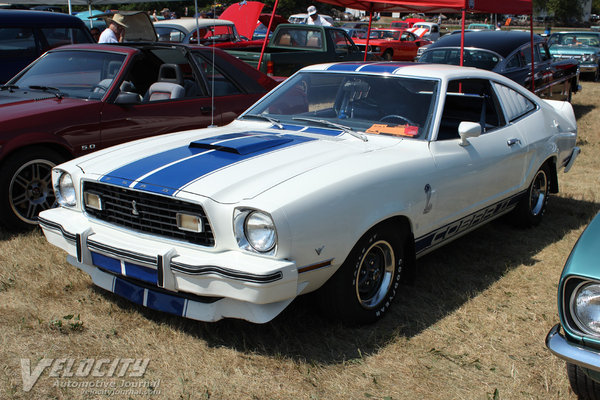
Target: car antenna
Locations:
point(212, 79)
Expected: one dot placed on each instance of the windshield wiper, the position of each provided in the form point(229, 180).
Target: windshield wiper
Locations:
point(325, 122)
point(274, 121)
point(49, 89)
point(8, 87)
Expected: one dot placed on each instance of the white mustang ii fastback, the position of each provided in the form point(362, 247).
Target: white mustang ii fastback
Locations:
point(335, 181)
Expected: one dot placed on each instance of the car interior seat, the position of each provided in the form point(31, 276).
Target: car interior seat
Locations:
point(285, 40)
point(170, 84)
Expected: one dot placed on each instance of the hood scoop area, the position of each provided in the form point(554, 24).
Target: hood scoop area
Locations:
point(241, 143)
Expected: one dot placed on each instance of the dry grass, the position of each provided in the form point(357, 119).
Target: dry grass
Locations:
point(471, 327)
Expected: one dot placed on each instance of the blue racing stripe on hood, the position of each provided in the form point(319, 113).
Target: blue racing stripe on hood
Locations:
point(125, 175)
point(168, 172)
point(175, 177)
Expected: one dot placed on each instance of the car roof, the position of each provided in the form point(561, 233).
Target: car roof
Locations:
point(32, 18)
point(190, 23)
point(501, 42)
point(420, 70)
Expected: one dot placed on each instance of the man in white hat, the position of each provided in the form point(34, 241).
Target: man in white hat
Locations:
point(115, 30)
point(314, 18)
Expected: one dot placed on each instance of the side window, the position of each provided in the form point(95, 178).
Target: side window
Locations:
point(216, 81)
point(527, 54)
point(515, 105)
point(543, 52)
point(516, 61)
point(17, 42)
point(470, 100)
point(341, 41)
point(62, 36)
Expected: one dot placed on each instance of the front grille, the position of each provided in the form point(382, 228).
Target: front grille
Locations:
point(155, 214)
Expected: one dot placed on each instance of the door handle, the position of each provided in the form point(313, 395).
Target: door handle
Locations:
point(513, 141)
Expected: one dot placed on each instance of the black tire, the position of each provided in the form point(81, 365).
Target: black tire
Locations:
point(26, 187)
point(363, 288)
point(583, 386)
point(388, 55)
point(532, 206)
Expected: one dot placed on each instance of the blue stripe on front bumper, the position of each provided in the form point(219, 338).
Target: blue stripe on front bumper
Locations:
point(134, 271)
point(154, 300)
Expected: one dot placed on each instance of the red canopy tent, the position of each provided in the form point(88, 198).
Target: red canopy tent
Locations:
point(439, 6)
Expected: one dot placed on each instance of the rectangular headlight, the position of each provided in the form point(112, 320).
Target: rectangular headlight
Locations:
point(189, 222)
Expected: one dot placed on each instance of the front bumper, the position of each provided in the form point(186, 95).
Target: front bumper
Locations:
point(573, 353)
point(586, 68)
point(162, 275)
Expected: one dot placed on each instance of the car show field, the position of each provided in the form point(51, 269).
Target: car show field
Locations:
point(383, 230)
point(471, 326)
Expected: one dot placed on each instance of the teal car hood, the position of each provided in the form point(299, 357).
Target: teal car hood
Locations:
point(582, 265)
point(560, 49)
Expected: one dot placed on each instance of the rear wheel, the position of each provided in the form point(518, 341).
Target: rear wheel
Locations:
point(388, 55)
point(26, 187)
point(532, 206)
point(583, 386)
point(363, 288)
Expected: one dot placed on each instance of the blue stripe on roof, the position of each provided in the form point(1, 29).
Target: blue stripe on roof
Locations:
point(380, 68)
point(346, 67)
point(173, 178)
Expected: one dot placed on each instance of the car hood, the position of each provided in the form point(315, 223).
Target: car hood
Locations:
point(561, 49)
point(229, 164)
point(21, 103)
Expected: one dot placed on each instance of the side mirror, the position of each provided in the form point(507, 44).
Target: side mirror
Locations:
point(467, 130)
point(125, 98)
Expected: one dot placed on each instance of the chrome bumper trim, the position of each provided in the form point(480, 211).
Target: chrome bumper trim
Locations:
point(571, 352)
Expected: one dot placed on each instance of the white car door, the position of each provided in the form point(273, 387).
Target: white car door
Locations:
point(480, 178)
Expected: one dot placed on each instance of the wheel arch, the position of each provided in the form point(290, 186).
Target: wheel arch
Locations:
point(397, 223)
point(58, 148)
point(551, 163)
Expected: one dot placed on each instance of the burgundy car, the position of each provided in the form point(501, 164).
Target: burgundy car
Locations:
point(80, 98)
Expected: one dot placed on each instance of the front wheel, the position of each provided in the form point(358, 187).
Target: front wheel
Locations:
point(26, 187)
point(532, 206)
point(363, 288)
point(583, 386)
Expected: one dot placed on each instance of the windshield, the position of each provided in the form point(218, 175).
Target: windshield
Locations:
point(575, 39)
point(79, 74)
point(389, 105)
point(472, 58)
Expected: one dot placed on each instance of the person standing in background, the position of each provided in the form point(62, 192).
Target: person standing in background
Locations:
point(314, 18)
point(114, 32)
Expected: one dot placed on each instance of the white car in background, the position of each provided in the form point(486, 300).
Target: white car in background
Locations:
point(426, 30)
point(335, 182)
point(302, 18)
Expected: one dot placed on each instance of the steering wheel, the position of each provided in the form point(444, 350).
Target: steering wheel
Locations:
point(392, 117)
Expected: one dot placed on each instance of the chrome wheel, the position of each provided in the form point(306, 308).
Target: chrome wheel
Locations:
point(538, 193)
point(375, 274)
point(30, 190)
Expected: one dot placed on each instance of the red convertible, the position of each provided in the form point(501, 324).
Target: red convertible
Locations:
point(392, 43)
point(80, 98)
